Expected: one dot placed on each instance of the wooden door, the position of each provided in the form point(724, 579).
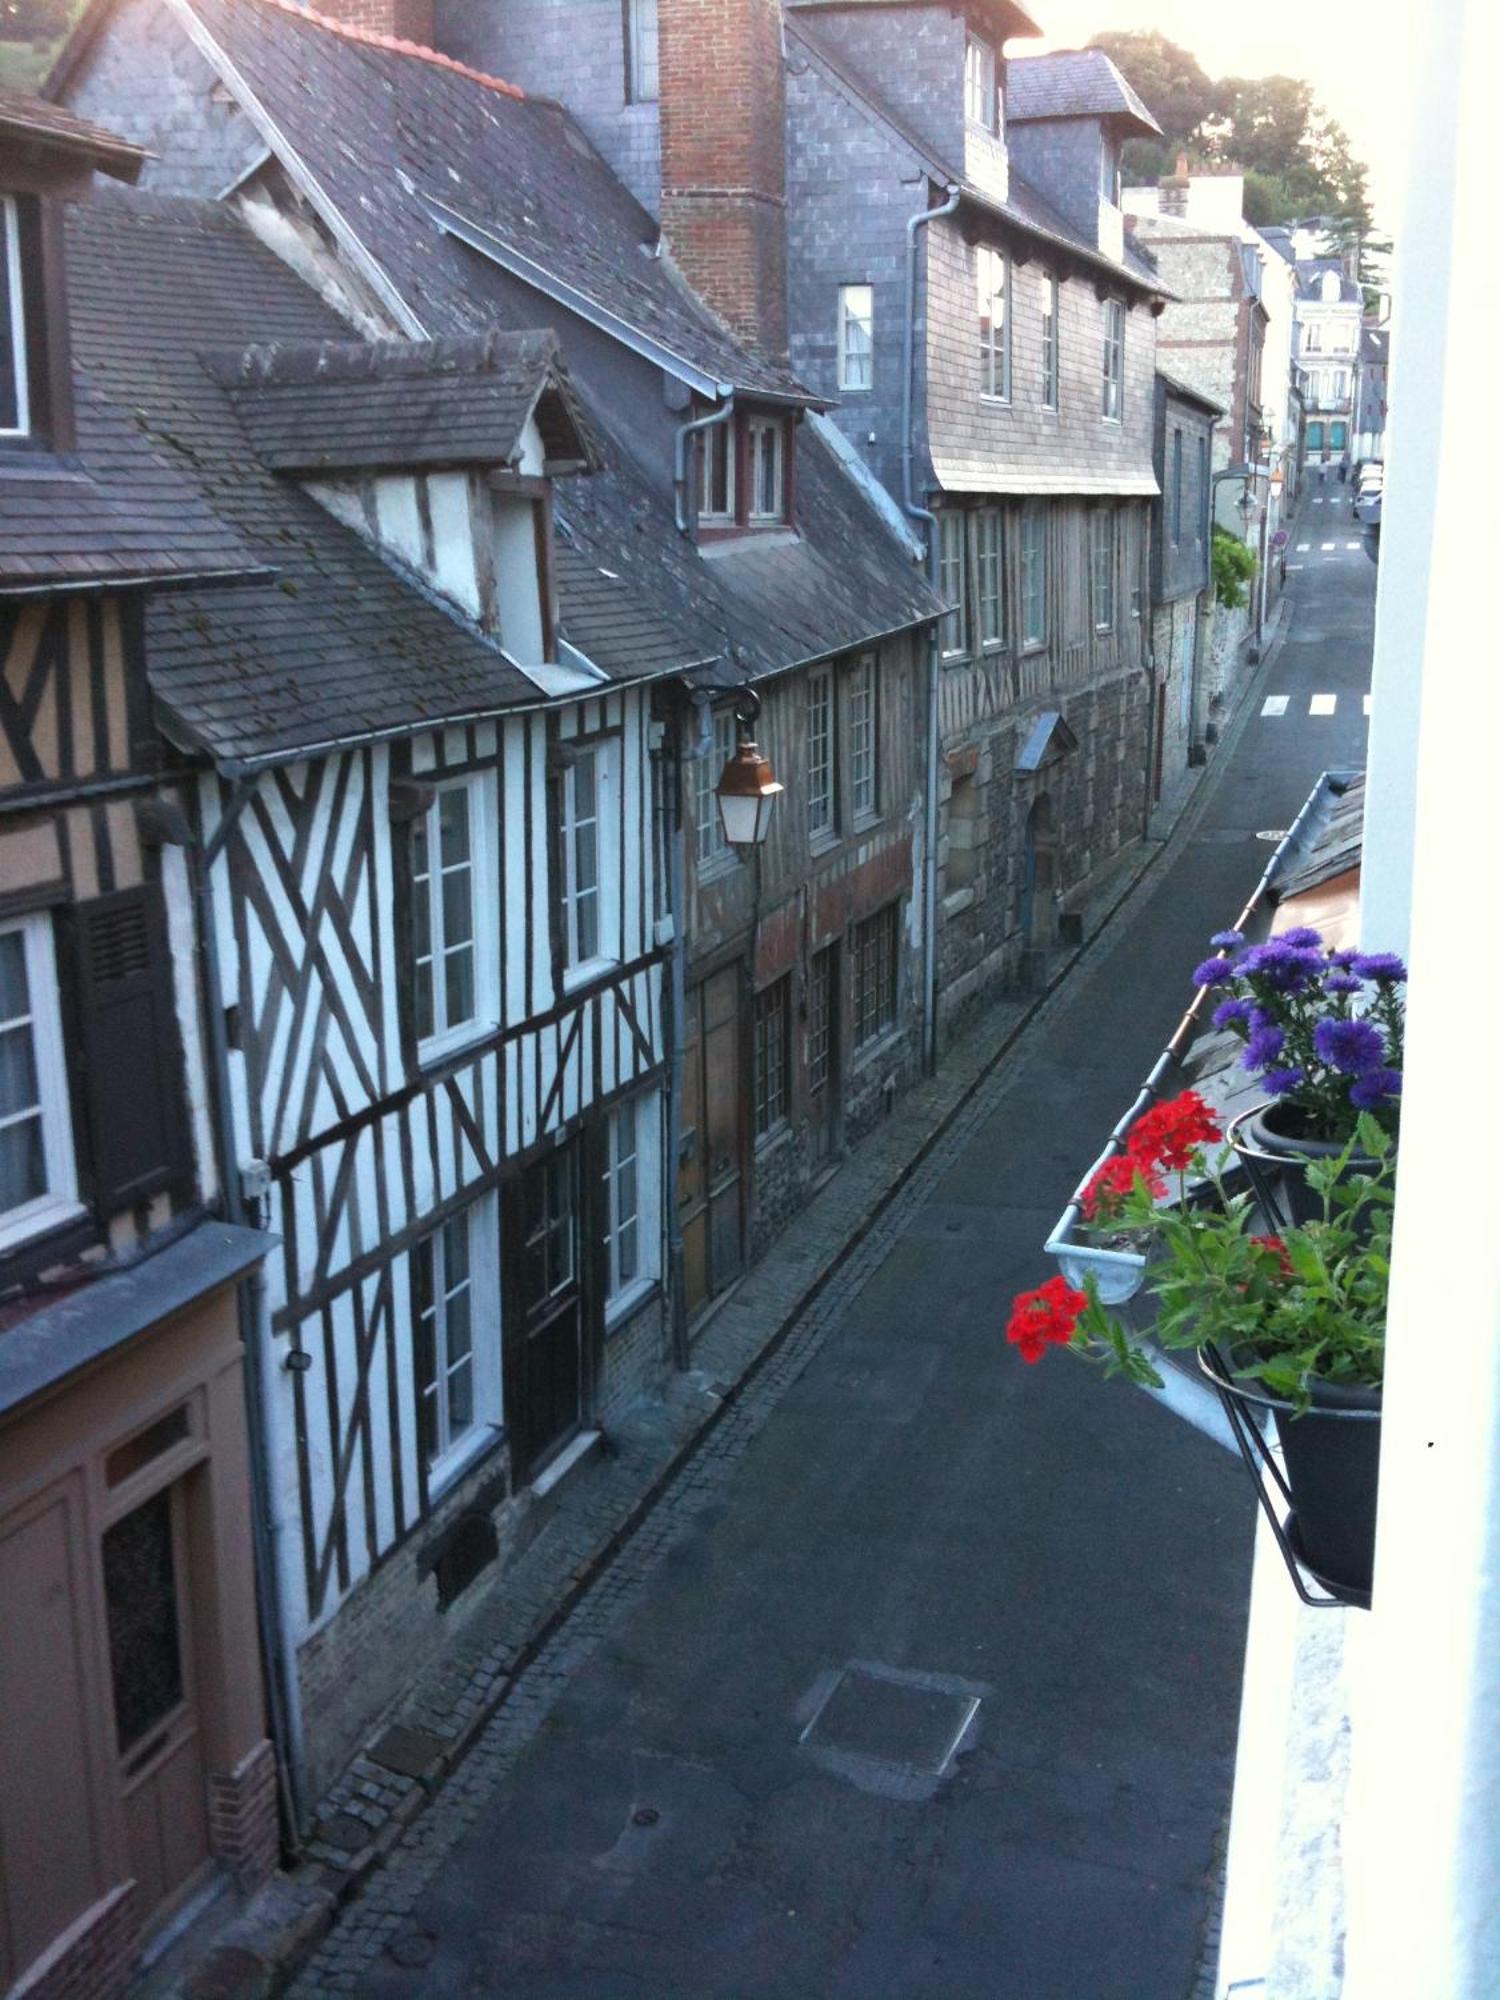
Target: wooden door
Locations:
point(158, 1730)
point(710, 1179)
point(823, 1079)
point(547, 1314)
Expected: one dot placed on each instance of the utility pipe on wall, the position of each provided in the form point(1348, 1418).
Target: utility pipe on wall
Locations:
point(680, 455)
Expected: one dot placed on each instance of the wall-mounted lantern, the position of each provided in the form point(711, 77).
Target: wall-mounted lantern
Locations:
point(747, 787)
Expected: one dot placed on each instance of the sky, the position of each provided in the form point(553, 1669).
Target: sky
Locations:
point(1355, 58)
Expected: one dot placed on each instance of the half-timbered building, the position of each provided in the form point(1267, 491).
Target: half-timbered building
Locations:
point(135, 1767)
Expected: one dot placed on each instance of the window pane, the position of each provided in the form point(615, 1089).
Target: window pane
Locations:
point(15, 998)
point(458, 913)
point(455, 1252)
point(18, 1084)
point(587, 925)
point(13, 415)
point(460, 1398)
point(856, 336)
point(820, 752)
point(458, 985)
point(453, 820)
point(23, 1164)
point(140, 1596)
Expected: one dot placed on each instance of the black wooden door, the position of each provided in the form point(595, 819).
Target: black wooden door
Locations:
point(548, 1307)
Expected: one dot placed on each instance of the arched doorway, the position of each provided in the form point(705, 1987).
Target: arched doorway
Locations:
point(1039, 875)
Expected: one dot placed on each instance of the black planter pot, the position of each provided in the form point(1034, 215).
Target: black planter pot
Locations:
point(1268, 1141)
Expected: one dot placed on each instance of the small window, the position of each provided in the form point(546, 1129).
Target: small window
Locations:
point(863, 783)
point(821, 803)
point(1314, 340)
point(981, 103)
point(456, 1373)
point(641, 77)
point(1109, 171)
point(951, 583)
point(1102, 567)
point(38, 1187)
point(856, 336)
point(1033, 577)
point(1050, 373)
point(990, 581)
point(767, 478)
point(1176, 487)
point(993, 269)
point(631, 1176)
point(589, 916)
point(1114, 360)
point(708, 821)
point(15, 400)
point(452, 917)
point(875, 946)
point(716, 473)
point(772, 1055)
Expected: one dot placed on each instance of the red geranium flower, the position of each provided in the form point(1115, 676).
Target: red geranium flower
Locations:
point(1117, 1178)
point(1044, 1318)
point(1169, 1134)
point(1275, 1244)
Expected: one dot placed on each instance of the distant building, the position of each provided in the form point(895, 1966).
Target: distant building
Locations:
point(1330, 313)
point(1371, 391)
point(1181, 573)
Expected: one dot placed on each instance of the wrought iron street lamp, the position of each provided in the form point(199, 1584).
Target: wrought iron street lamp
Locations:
point(747, 787)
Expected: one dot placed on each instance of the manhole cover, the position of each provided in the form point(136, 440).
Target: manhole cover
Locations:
point(913, 1722)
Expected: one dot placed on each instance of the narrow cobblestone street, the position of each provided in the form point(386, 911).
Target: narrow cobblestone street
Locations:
point(1034, 1583)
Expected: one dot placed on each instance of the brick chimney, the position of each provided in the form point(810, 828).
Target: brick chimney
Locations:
point(403, 20)
point(723, 159)
point(1172, 198)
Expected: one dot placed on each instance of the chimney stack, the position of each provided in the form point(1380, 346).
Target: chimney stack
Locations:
point(1172, 198)
point(723, 159)
point(402, 20)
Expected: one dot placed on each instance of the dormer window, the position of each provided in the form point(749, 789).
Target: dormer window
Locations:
point(744, 474)
point(981, 101)
point(15, 395)
point(716, 475)
point(767, 479)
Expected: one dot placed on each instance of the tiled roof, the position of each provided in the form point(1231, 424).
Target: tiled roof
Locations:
point(339, 646)
point(24, 118)
point(1374, 344)
point(343, 405)
point(1177, 387)
point(391, 129)
point(1073, 83)
point(1311, 272)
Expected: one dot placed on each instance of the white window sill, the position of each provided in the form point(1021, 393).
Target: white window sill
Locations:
point(440, 1047)
point(995, 396)
point(36, 1218)
point(823, 841)
point(625, 1304)
point(956, 658)
point(589, 973)
point(447, 1470)
point(872, 1051)
point(716, 865)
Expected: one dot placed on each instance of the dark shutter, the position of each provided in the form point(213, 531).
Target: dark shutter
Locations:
point(130, 1048)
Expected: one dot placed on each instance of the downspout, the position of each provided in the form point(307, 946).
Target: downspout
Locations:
point(669, 777)
point(283, 1698)
point(680, 455)
point(916, 512)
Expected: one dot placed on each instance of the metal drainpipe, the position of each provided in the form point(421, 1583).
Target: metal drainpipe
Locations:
point(669, 770)
point(925, 515)
point(679, 456)
point(282, 1695)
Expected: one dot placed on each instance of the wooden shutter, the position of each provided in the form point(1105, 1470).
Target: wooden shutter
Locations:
point(130, 1048)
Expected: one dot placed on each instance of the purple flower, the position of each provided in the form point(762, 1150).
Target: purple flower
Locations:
point(1352, 1046)
point(1341, 982)
point(1381, 965)
point(1375, 1089)
point(1228, 940)
point(1263, 1047)
point(1302, 938)
point(1232, 1014)
point(1212, 972)
point(1262, 1017)
point(1342, 959)
point(1287, 968)
point(1282, 1082)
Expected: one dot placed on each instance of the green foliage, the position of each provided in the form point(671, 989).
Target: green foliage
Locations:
point(1233, 566)
point(1308, 1303)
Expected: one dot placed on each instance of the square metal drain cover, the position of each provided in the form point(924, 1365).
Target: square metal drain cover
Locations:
point(889, 1729)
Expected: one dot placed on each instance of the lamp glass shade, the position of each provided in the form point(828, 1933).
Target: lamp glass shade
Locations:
point(747, 792)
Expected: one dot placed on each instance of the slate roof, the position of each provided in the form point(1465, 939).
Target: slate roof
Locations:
point(1375, 345)
point(1310, 274)
point(347, 405)
point(340, 645)
point(406, 126)
point(1024, 208)
point(1177, 387)
point(397, 125)
point(33, 120)
point(1073, 83)
point(1007, 17)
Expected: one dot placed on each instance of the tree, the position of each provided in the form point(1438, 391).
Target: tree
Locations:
point(1169, 80)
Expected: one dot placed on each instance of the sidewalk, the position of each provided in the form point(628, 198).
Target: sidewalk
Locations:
point(594, 1513)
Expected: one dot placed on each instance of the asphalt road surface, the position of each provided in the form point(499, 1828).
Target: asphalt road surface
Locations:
point(935, 1697)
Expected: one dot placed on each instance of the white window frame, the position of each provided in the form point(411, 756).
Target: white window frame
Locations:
point(862, 725)
point(13, 279)
point(642, 52)
point(714, 443)
point(710, 843)
point(1051, 350)
point(603, 754)
point(822, 758)
point(856, 311)
point(757, 431)
point(989, 578)
point(1112, 407)
point(981, 96)
point(446, 1035)
point(1314, 341)
point(452, 1453)
point(953, 628)
point(624, 1292)
point(1033, 577)
point(992, 282)
point(59, 1201)
point(1102, 543)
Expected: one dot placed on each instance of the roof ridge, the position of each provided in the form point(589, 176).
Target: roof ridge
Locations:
point(394, 45)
